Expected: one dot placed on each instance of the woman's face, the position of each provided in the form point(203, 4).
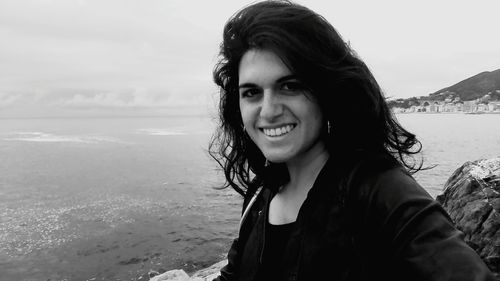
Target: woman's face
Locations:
point(279, 114)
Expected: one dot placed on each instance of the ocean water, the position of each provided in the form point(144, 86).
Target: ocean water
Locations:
point(450, 140)
point(112, 198)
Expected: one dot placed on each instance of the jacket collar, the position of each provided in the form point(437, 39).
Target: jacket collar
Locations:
point(325, 186)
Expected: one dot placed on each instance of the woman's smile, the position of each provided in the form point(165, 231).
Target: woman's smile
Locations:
point(278, 131)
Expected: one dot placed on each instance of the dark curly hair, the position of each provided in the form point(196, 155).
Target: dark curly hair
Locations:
point(348, 95)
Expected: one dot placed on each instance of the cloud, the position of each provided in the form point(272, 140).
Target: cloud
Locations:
point(8, 99)
point(101, 99)
point(102, 53)
point(129, 53)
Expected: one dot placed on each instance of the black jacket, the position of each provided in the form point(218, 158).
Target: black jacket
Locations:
point(368, 221)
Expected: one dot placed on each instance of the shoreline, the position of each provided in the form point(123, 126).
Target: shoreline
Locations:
point(457, 113)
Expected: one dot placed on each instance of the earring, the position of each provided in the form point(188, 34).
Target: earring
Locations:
point(328, 126)
point(267, 163)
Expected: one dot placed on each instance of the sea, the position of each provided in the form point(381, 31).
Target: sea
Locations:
point(115, 198)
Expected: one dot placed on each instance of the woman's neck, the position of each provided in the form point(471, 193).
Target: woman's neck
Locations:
point(304, 171)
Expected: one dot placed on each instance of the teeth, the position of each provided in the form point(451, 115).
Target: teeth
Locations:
point(276, 132)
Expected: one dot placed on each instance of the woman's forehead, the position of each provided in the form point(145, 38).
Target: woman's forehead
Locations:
point(261, 64)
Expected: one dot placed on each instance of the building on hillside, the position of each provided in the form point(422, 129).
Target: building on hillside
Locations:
point(434, 107)
point(494, 106)
point(470, 106)
point(448, 107)
point(419, 108)
point(398, 110)
point(482, 107)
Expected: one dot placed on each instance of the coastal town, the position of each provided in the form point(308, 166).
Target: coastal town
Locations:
point(451, 104)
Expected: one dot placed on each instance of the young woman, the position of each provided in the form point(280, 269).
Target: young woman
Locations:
point(307, 138)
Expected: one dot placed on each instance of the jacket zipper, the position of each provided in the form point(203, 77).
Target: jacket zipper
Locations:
point(263, 239)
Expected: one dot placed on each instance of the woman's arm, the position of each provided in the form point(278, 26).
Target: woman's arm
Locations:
point(228, 272)
point(416, 232)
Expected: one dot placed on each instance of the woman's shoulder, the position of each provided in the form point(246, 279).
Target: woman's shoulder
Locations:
point(374, 164)
point(381, 180)
point(385, 199)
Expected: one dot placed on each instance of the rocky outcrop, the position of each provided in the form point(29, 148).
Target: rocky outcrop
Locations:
point(472, 198)
point(207, 274)
point(171, 275)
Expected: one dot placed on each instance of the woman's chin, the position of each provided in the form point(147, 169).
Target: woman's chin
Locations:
point(277, 158)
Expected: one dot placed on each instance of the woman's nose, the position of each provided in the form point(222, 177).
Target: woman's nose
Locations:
point(271, 106)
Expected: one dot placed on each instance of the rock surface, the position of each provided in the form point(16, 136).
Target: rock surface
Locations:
point(171, 275)
point(472, 198)
point(206, 274)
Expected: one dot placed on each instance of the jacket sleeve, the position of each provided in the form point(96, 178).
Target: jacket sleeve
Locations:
point(415, 232)
point(228, 272)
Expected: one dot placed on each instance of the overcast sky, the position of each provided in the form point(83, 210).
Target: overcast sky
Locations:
point(71, 54)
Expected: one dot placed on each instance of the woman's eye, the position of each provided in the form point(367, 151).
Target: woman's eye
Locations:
point(249, 93)
point(293, 86)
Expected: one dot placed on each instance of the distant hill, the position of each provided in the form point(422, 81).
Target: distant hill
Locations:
point(472, 88)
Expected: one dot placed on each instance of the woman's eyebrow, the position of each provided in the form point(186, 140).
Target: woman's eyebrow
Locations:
point(287, 77)
point(280, 80)
point(247, 85)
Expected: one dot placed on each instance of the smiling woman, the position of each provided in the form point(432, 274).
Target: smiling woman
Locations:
point(324, 167)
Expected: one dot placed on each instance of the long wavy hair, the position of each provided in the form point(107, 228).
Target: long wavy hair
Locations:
point(348, 95)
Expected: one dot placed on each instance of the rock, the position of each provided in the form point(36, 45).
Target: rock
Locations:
point(472, 198)
point(172, 275)
point(209, 273)
point(206, 274)
point(153, 273)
